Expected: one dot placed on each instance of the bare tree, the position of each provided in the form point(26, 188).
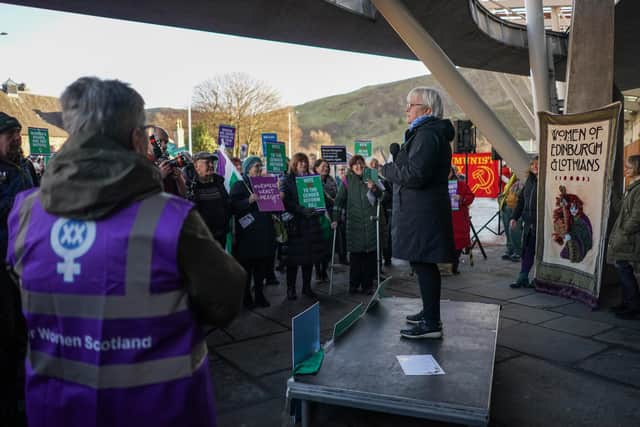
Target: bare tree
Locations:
point(239, 100)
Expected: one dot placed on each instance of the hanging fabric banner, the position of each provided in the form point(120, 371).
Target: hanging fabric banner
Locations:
point(481, 173)
point(574, 192)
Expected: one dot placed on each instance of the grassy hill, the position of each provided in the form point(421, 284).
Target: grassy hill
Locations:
point(377, 112)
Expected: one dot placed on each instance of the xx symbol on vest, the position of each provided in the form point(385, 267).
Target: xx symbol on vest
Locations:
point(71, 239)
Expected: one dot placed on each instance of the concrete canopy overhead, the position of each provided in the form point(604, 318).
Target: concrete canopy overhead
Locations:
point(319, 23)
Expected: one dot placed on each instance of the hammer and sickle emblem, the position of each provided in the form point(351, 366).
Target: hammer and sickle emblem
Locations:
point(484, 177)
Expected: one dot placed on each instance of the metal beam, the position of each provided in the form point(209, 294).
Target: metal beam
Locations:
point(426, 49)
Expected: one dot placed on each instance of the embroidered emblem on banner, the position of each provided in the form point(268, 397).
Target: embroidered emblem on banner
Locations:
point(71, 239)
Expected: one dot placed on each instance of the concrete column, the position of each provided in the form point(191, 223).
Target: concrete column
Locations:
point(590, 62)
point(538, 53)
point(555, 18)
point(518, 102)
point(426, 49)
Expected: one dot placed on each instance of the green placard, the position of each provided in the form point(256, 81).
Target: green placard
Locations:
point(347, 321)
point(310, 192)
point(275, 156)
point(39, 141)
point(379, 293)
point(363, 148)
point(370, 175)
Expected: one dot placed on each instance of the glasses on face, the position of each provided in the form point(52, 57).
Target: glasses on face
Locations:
point(409, 106)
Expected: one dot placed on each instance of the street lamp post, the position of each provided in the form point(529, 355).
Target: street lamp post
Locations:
point(289, 133)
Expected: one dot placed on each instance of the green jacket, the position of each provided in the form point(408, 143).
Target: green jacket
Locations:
point(361, 229)
point(624, 242)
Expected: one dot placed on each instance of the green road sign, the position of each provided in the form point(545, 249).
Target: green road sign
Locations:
point(363, 148)
point(39, 141)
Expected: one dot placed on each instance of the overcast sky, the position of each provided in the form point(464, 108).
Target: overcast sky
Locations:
point(48, 50)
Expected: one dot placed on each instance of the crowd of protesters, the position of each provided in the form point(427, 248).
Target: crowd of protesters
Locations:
point(178, 231)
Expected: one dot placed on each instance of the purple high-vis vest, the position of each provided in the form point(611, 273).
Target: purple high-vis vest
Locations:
point(111, 339)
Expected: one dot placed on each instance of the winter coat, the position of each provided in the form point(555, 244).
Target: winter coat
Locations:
point(528, 203)
point(258, 239)
point(460, 217)
point(14, 178)
point(421, 226)
point(330, 187)
point(213, 203)
point(624, 241)
point(361, 229)
point(306, 245)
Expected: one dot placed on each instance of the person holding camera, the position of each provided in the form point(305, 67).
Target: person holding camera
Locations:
point(306, 245)
point(207, 192)
point(172, 179)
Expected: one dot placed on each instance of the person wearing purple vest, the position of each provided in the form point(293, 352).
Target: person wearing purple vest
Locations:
point(116, 277)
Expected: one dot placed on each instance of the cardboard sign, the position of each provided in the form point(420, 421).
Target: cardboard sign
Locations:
point(274, 153)
point(267, 137)
point(453, 190)
point(482, 173)
point(370, 175)
point(267, 193)
point(334, 154)
point(310, 192)
point(305, 334)
point(363, 148)
point(39, 141)
point(226, 136)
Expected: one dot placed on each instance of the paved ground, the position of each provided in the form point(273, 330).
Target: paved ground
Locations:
point(558, 363)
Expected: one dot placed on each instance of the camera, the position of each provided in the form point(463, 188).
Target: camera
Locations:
point(180, 161)
point(158, 152)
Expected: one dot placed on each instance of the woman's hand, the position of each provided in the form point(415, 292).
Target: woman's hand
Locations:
point(334, 225)
point(253, 198)
point(371, 185)
point(513, 224)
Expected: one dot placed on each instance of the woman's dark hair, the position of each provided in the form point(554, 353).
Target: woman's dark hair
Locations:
point(355, 159)
point(297, 158)
point(317, 164)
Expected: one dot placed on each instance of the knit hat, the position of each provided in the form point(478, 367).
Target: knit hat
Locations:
point(7, 122)
point(249, 162)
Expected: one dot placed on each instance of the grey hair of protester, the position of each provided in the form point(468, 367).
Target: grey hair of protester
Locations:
point(428, 97)
point(108, 107)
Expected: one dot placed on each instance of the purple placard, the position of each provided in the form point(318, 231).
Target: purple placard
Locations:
point(453, 191)
point(267, 193)
point(226, 135)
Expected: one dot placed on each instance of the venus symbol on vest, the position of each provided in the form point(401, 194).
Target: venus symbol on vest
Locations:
point(71, 239)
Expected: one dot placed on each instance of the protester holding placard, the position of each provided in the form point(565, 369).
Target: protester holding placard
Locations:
point(624, 243)
point(360, 197)
point(330, 187)
point(463, 197)
point(255, 235)
point(526, 209)
point(306, 245)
